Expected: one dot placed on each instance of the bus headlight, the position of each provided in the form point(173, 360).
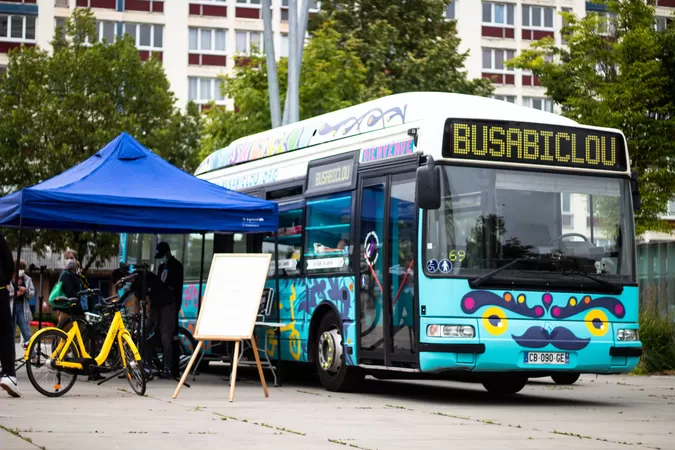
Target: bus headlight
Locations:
point(626, 335)
point(451, 331)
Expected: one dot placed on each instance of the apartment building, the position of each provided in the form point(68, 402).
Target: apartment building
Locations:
point(197, 40)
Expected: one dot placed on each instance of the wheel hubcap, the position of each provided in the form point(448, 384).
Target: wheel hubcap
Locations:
point(330, 350)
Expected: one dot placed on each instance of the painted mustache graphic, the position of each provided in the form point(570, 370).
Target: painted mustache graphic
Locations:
point(560, 337)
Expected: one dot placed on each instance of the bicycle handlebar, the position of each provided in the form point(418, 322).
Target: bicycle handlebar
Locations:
point(89, 292)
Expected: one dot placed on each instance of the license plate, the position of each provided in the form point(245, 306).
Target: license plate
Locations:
point(547, 358)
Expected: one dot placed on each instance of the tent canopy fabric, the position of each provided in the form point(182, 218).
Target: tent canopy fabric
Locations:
point(125, 187)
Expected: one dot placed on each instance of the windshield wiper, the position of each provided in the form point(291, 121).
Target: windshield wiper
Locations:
point(478, 281)
point(615, 288)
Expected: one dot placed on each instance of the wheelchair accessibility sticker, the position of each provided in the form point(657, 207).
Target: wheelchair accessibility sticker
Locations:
point(432, 265)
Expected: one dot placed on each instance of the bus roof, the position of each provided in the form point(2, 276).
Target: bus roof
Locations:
point(386, 112)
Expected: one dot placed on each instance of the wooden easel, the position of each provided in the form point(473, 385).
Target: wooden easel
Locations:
point(235, 362)
point(230, 307)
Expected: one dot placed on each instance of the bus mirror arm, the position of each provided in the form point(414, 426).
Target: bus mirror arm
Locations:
point(428, 189)
point(635, 191)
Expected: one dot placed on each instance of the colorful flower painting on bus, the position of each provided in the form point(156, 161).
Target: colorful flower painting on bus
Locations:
point(306, 133)
point(559, 336)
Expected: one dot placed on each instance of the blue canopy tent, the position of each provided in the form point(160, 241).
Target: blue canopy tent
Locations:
point(125, 187)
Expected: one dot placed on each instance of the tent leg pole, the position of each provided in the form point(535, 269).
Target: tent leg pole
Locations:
point(278, 302)
point(141, 344)
point(16, 271)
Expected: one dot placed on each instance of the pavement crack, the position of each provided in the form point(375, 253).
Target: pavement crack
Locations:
point(17, 432)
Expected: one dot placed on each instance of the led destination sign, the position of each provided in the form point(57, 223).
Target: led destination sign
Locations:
point(529, 143)
point(331, 174)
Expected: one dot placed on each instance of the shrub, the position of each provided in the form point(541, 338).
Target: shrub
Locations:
point(657, 333)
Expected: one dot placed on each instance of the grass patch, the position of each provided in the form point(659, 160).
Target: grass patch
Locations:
point(16, 432)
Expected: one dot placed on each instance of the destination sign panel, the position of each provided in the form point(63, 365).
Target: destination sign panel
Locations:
point(533, 143)
point(333, 175)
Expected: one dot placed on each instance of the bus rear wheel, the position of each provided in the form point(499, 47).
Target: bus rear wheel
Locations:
point(505, 386)
point(565, 378)
point(334, 374)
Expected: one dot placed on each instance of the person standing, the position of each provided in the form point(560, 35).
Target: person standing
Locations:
point(170, 271)
point(8, 380)
point(21, 315)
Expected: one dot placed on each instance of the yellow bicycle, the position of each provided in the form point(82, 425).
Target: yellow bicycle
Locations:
point(59, 357)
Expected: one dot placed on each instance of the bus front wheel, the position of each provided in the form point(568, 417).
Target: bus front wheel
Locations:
point(334, 373)
point(505, 386)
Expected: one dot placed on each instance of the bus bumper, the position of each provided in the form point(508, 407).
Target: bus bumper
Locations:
point(585, 348)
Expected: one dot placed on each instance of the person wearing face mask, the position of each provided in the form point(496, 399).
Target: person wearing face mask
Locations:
point(70, 286)
point(170, 272)
point(25, 291)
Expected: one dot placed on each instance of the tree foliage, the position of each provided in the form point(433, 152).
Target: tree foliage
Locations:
point(332, 77)
point(405, 45)
point(58, 108)
point(618, 71)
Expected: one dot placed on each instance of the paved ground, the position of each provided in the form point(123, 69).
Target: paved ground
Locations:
point(600, 413)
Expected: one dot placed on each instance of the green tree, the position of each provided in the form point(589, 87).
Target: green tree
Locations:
point(405, 45)
point(58, 108)
point(332, 77)
point(618, 71)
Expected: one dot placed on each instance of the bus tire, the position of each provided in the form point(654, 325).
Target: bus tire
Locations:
point(505, 386)
point(331, 368)
point(565, 378)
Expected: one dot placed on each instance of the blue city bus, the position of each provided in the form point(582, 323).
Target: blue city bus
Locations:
point(437, 235)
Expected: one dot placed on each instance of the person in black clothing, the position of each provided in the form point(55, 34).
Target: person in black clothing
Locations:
point(170, 272)
point(7, 350)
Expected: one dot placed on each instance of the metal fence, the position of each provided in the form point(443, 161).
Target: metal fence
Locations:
point(656, 275)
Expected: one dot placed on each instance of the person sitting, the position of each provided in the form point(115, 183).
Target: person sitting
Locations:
point(71, 284)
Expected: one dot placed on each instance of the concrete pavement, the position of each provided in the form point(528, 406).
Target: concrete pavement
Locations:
point(604, 412)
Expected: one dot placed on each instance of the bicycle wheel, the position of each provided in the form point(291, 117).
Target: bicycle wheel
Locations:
point(133, 369)
point(41, 366)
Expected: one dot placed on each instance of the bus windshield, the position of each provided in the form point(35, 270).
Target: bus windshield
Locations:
point(548, 226)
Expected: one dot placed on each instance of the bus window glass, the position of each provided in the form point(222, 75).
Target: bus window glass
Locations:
point(550, 223)
point(239, 245)
point(290, 241)
point(327, 246)
point(133, 248)
point(147, 252)
point(193, 261)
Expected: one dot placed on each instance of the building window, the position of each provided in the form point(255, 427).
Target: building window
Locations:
point(146, 36)
point(248, 2)
point(605, 24)
point(327, 246)
point(450, 10)
point(247, 41)
point(542, 104)
point(566, 209)
point(671, 208)
point(506, 98)
point(538, 16)
point(283, 51)
point(204, 90)
point(17, 28)
point(500, 14)
point(493, 59)
point(208, 40)
point(661, 23)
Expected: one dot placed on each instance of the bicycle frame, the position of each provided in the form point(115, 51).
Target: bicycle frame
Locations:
point(117, 331)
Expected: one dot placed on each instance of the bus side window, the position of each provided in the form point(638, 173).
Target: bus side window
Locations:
point(290, 242)
point(327, 233)
point(192, 265)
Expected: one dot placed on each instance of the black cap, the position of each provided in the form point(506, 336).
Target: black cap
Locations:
point(162, 249)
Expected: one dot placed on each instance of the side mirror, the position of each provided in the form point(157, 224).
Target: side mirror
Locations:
point(635, 191)
point(429, 185)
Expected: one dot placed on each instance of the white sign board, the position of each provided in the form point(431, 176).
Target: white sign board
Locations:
point(232, 297)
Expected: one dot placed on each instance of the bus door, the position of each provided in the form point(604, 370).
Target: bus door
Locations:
point(386, 242)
